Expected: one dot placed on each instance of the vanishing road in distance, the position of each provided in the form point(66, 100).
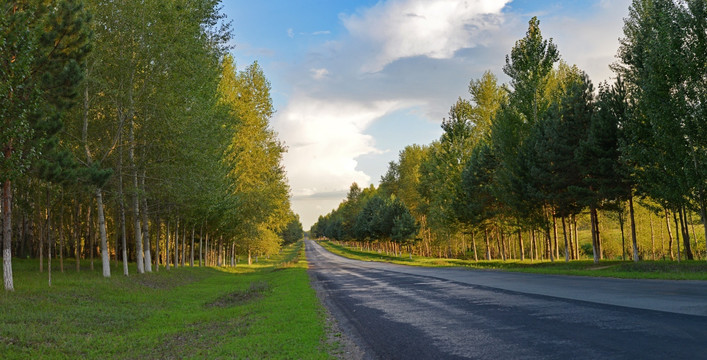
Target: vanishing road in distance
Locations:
point(401, 312)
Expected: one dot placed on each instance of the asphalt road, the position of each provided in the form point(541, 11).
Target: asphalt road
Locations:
point(400, 312)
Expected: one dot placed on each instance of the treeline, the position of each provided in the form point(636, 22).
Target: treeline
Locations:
point(127, 132)
point(522, 166)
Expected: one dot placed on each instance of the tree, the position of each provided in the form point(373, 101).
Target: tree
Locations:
point(664, 133)
point(40, 76)
point(293, 231)
point(556, 170)
point(530, 62)
point(403, 226)
point(253, 157)
point(529, 66)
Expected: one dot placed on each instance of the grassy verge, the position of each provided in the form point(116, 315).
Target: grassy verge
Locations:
point(267, 310)
point(685, 270)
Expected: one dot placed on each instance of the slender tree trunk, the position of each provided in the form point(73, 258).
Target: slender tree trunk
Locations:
point(89, 233)
point(233, 251)
point(503, 243)
point(61, 238)
point(145, 226)
point(157, 243)
point(176, 245)
point(694, 234)
point(554, 234)
point(595, 235)
point(534, 245)
point(219, 249)
point(623, 241)
point(250, 259)
point(650, 222)
point(41, 243)
point(167, 240)
point(7, 227)
point(670, 235)
point(206, 250)
point(191, 248)
point(564, 233)
point(49, 240)
point(571, 242)
point(473, 243)
point(576, 238)
point(41, 236)
point(184, 246)
point(520, 245)
point(662, 241)
point(77, 235)
point(201, 237)
point(121, 200)
point(139, 256)
point(685, 233)
point(677, 234)
point(599, 244)
point(633, 228)
point(49, 253)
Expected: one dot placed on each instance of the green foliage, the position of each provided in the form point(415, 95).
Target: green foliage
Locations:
point(293, 231)
point(254, 155)
point(529, 64)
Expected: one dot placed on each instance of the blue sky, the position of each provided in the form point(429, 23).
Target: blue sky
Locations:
point(354, 82)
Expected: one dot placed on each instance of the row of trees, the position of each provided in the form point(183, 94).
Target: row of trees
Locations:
point(369, 215)
point(548, 151)
point(126, 127)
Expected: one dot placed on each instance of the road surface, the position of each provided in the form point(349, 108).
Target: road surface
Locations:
point(400, 312)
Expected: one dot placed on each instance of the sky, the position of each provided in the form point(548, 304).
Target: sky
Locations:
point(354, 82)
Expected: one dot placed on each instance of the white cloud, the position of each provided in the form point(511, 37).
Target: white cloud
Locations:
point(324, 138)
point(589, 42)
point(436, 29)
point(319, 74)
point(322, 32)
point(290, 33)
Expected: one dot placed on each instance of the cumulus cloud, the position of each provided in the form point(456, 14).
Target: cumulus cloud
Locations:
point(324, 138)
point(290, 33)
point(437, 29)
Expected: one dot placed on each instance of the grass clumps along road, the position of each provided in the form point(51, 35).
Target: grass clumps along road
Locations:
point(263, 311)
point(660, 269)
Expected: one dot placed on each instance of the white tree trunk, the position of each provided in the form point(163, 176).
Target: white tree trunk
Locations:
point(102, 229)
point(146, 228)
point(7, 235)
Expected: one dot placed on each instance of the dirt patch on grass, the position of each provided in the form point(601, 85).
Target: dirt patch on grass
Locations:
point(256, 290)
point(600, 267)
point(198, 338)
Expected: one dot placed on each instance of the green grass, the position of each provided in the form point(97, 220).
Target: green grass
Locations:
point(685, 270)
point(267, 310)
